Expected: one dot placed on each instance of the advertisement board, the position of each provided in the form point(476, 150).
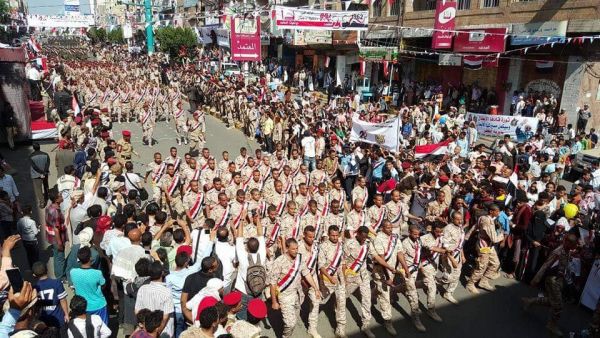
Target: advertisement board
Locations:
point(488, 40)
point(498, 125)
point(245, 39)
point(306, 19)
point(536, 33)
point(445, 15)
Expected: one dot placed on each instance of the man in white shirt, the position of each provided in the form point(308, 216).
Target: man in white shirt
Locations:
point(227, 254)
point(254, 249)
point(309, 146)
point(595, 175)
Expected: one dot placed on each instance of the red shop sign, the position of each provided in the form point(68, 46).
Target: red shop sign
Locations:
point(245, 39)
point(445, 18)
point(489, 40)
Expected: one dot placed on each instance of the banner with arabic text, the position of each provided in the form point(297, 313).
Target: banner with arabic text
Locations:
point(498, 125)
point(385, 134)
point(301, 19)
point(245, 39)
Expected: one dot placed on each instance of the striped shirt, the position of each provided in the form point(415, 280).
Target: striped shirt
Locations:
point(156, 296)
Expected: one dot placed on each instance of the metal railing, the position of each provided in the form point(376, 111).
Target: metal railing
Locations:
point(490, 3)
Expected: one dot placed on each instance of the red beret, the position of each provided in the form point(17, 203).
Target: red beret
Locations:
point(444, 178)
point(185, 248)
point(77, 119)
point(104, 134)
point(257, 308)
point(205, 303)
point(111, 161)
point(232, 298)
point(104, 110)
point(126, 133)
point(103, 224)
point(406, 165)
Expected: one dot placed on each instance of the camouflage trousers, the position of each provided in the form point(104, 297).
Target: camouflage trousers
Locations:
point(552, 297)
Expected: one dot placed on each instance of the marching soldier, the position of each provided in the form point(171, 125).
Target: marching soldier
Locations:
point(286, 288)
point(336, 216)
point(488, 263)
point(332, 266)
point(212, 194)
point(433, 245)
point(221, 212)
point(238, 209)
point(172, 186)
point(356, 218)
point(435, 209)
point(174, 159)
point(357, 275)
point(454, 235)
point(209, 173)
point(360, 191)
point(148, 122)
point(124, 148)
point(157, 169)
point(181, 117)
point(196, 134)
point(193, 201)
point(398, 213)
point(309, 248)
point(412, 248)
point(314, 218)
point(377, 213)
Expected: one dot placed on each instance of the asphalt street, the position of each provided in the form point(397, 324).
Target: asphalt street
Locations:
point(488, 314)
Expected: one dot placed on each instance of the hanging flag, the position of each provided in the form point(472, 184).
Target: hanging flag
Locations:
point(327, 59)
point(544, 64)
point(386, 69)
point(385, 134)
point(75, 106)
point(363, 66)
point(472, 62)
point(432, 149)
point(34, 44)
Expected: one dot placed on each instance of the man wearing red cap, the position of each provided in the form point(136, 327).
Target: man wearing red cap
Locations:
point(125, 148)
point(233, 300)
point(257, 311)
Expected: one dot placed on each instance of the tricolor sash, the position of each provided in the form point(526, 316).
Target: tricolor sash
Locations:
point(417, 258)
point(262, 208)
point(290, 276)
point(238, 219)
point(93, 98)
point(158, 173)
point(273, 235)
point(141, 98)
point(311, 261)
point(288, 187)
point(115, 97)
point(105, 96)
point(336, 261)
point(317, 224)
point(360, 259)
point(126, 97)
point(399, 214)
point(195, 209)
point(146, 116)
point(296, 228)
point(434, 255)
point(177, 163)
point(173, 185)
point(375, 226)
point(390, 248)
point(461, 242)
point(194, 127)
point(325, 210)
point(281, 205)
point(179, 113)
point(225, 218)
point(205, 165)
point(282, 164)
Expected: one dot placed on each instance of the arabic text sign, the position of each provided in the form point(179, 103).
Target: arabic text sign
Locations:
point(297, 18)
point(498, 125)
point(58, 21)
point(536, 33)
point(245, 39)
point(489, 40)
point(445, 14)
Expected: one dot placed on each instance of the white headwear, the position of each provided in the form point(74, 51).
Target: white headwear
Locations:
point(85, 236)
point(212, 288)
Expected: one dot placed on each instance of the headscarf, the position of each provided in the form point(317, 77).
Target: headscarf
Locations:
point(85, 236)
point(210, 290)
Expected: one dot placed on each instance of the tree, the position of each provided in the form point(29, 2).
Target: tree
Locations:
point(96, 34)
point(172, 39)
point(4, 11)
point(116, 36)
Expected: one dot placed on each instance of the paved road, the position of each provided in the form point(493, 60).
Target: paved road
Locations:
point(489, 314)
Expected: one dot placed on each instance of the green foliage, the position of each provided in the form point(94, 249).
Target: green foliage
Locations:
point(171, 39)
point(4, 11)
point(116, 36)
point(97, 35)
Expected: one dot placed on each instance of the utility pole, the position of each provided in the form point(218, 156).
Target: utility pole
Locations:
point(149, 30)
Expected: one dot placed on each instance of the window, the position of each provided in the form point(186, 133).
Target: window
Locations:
point(598, 92)
point(423, 5)
point(464, 4)
point(377, 8)
point(490, 3)
point(395, 10)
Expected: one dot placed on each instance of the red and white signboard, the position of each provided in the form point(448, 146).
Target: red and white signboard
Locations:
point(445, 18)
point(245, 39)
point(489, 40)
point(300, 18)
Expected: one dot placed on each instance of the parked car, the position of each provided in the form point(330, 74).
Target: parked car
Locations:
point(229, 69)
point(363, 87)
point(583, 160)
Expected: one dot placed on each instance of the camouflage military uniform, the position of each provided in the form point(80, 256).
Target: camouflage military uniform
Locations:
point(331, 257)
point(455, 238)
point(387, 247)
point(358, 276)
point(310, 256)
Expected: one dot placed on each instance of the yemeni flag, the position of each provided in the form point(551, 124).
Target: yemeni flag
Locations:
point(75, 106)
point(35, 46)
point(432, 149)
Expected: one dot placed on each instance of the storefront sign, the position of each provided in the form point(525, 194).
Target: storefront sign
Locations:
point(378, 54)
point(72, 7)
point(222, 37)
point(450, 60)
point(345, 37)
point(489, 40)
point(302, 38)
point(445, 14)
point(543, 85)
point(538, 32)
point(245, 39)
point(60, 21)
point(305, 19)
point(498, 125)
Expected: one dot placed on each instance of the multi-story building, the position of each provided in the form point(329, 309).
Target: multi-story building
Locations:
point(567, 68)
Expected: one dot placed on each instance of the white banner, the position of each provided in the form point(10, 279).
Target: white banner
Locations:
point(591, 292)
point(498, 125)
point(60, 21)
point(386, 134)
point(300, 18)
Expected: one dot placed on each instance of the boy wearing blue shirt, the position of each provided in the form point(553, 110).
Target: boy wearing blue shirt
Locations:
point(52, 296)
